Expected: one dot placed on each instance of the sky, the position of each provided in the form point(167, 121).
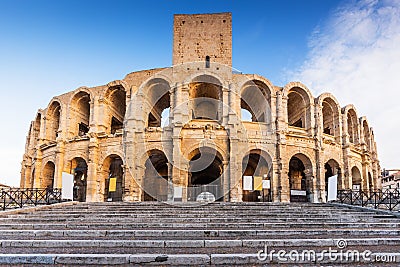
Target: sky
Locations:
point(347, 48)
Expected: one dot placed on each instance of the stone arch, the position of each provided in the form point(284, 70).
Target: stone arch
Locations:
point(205, 174)
point(205, 97)
point(331, 114)
point(366, 132)
point(112, 168)
point(299, 101)
point(116, 95)
point(53, 120)
point(256, 99)
point(257, 163)
point(356, 178)
point(205, 76)
point(332, 167)
point(47, 175)
point(191, 150)
point(300, 178)
point(36, 126)
point(157, 95)
point(155, 179)
point(117, 84)
point(79, 113)
point(351, 122)
point(79, 168)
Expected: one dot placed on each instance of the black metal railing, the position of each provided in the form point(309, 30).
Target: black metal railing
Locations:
point(20, 197)
point(388, 199)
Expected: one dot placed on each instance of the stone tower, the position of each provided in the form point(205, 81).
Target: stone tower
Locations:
point(203, 37)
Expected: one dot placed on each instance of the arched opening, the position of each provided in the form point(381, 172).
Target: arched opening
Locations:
point(205, 93)
point(80, 114)
point(79, 168)
point(53, 121)
point(367, 136)
point(256, 100)
point(117, 108)
point(330, 117)
point(352, 126)
point(205, 174)
point(356, 179)
point(255, 167)
point(158, 96)
point(36, 130)
point(159, 115)
point(48, 175)
point(298, 106)
point(155, 182)
point(300, 178)
point(332, 168)
point(113, 183)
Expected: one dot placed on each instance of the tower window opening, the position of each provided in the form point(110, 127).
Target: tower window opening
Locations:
point(207, 61)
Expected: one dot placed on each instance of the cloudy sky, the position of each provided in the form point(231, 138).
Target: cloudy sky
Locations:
point(348, 48)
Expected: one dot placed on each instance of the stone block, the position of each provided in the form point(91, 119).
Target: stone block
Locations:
point(20, 259)
point(88, 259)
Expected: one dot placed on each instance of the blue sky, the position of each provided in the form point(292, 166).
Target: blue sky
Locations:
point(51, 47)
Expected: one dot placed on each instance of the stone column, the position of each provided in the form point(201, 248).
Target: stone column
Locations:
point(92, 176)
point(38, 169)
point(225, 112)
point(60, 153)
point(226, 181)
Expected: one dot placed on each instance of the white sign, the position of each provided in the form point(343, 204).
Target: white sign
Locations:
point(67, 186)
point(266, 184)
point(356, 187)
point(332, 188)
point(298, 192)
point(178, 192)
point(247, 182)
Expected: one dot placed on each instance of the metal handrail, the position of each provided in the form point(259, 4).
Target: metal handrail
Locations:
point(388, 199)
point(20, 197)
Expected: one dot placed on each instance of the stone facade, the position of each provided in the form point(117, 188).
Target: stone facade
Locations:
point(198, 126)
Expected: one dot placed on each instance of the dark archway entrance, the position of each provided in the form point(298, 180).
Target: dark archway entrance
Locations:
point(332, 168)
point(255, 165)
point(80, 179)
point(48, 175)
point(155, 183)
point(300, 182)
point(114, 181)
point(205, 175)
point(356, 179)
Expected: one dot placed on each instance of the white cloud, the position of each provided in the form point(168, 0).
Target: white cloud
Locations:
point(356, 56)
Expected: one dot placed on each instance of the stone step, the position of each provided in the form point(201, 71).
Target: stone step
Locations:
point(190, 215)
point(261, 225)
point(195, 243)
point(182, 259)
point(187, 234)
point(227, 259)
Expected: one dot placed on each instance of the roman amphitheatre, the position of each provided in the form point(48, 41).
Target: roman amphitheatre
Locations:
point(199, 128)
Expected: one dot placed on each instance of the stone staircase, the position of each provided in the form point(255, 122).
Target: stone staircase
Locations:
point(230, 234)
